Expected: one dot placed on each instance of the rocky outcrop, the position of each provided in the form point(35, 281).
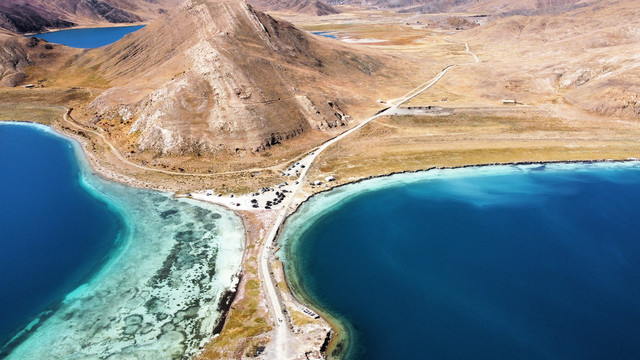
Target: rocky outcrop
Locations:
point(24, 18)
point(232, 80)
point(618, 97)
point(21, 57)
point(13, 59)
point(106, 11)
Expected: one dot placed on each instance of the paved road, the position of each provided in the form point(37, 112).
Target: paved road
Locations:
point(283, 336)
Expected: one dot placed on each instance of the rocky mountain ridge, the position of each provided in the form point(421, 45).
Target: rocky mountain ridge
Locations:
point(233, 80)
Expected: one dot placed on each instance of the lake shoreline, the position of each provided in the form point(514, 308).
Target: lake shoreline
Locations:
point(80, 27)
point(111, 176)
point(337, 329)
point(340, 329)
point(121, 239)
point(123, 245)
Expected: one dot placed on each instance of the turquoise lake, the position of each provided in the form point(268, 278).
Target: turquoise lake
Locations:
point(507, 262)
point(94, 269)
point(88, 38)
point(55, 233)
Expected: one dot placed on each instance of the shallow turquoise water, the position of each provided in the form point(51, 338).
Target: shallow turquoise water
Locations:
point(160, 290)
point(53, 232)
point(88, 38)
point(522, 262)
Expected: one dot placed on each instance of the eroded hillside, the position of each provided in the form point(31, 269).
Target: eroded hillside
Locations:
point(233, 83)
point(32, 16)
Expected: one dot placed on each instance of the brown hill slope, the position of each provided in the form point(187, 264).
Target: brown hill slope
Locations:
point(493, 7)
point(27, 16)
point(587, 56)
point(232, 81)
point(13, 59)
point(526, 7)
point(310, 7)
point(21, 55)
point(417, 5)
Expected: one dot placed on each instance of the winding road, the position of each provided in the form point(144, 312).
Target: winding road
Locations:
point(66, 117)
point(283, 336)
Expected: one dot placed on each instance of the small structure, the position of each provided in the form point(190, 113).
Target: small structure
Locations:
point(310, 313)
point(329, 178)
point(317, 182)
point(29, 86)
point(508, 102)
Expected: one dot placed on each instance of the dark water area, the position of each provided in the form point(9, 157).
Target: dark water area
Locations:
point(54, 233)
point(523, 264)
point(325, 34)
point(88, 38)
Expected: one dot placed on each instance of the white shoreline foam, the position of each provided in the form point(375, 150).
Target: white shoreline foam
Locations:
point(324, 202)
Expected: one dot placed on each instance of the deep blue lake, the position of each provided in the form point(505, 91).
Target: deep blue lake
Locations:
point(53, 232)
point(517, 265)
point(88, 38)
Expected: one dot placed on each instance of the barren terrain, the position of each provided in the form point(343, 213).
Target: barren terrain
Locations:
point(35, 16)
point(233, 108)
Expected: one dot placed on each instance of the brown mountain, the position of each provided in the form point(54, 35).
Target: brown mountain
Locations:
point(233, 80)
point(586, 55)
point(27, 16)
point(310, 7)
point(426, 6)
point(527, 7)
point(22, 55)
point(494, 7)
point(13, 59)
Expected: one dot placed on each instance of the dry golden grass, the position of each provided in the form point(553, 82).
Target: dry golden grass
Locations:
point(43, 105)
point(247, 324)
point(393, 34)
point(410, 143)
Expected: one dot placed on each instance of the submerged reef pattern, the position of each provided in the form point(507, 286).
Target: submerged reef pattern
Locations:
point(158, 297)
